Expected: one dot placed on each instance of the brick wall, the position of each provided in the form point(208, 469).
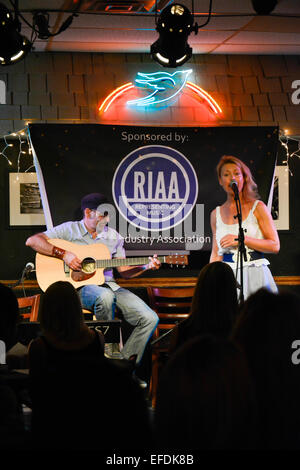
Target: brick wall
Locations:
point(68, 87)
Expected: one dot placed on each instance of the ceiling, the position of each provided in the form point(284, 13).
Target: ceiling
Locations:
point(129, 26)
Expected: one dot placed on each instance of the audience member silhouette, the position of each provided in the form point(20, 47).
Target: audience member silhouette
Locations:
point(205, 398)
point(87, 404)
point(266, 329)
point(13, 385)
point(214, 305)
point(64, 333)
point(9, 316)
point(80, 400)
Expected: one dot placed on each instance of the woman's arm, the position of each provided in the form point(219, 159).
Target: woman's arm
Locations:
point(214, 252)
point(270, 242)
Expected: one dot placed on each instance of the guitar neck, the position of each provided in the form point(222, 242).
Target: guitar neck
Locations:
point(113, 263)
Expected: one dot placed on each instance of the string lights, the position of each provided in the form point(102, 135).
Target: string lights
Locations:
point(284, 139)
point(16, 146)
point(6, 145)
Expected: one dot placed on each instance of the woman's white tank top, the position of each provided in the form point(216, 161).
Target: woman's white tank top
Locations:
point(250, 224)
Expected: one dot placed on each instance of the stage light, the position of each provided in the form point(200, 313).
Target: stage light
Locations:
point(174, 25)
point(13, 46)
point(264, 7)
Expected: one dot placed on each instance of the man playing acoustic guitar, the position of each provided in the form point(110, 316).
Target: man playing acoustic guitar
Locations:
point(102, 299)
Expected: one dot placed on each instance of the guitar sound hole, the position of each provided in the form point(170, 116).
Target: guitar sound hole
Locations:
point(88, 265)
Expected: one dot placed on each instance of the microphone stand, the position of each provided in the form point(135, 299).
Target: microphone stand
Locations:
point(242, 255)
point(28, 268)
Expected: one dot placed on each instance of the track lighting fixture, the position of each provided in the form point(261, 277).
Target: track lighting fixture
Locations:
point(264, 7)
point(174, 25)
point(13, 46)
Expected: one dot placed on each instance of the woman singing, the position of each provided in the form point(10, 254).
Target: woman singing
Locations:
point(260, 234)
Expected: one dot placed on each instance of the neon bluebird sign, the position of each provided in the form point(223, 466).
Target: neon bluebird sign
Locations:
point(162, 85)
point(161, 89)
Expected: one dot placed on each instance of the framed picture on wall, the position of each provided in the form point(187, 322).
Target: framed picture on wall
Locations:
point(25, 204)
point(280, 204)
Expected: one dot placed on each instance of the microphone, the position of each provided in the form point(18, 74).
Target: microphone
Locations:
point(29, 267)
point(234, 186)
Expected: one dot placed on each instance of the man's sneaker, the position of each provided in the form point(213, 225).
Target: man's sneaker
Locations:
point(111, 351)
point(141, 383)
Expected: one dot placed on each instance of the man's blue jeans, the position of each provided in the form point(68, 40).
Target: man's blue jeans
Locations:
point(102, 301)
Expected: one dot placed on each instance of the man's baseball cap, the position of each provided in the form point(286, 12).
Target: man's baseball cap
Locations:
point(92, 201)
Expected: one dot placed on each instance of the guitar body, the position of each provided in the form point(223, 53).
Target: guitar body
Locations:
point(50, 270)
point(94, 260)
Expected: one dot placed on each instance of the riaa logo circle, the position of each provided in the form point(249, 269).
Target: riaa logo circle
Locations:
point(155, 187)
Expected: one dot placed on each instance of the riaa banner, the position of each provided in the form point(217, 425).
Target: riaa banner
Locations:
point(160, 182)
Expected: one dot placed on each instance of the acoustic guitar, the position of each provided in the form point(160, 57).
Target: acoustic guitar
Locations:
point(95, 259)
